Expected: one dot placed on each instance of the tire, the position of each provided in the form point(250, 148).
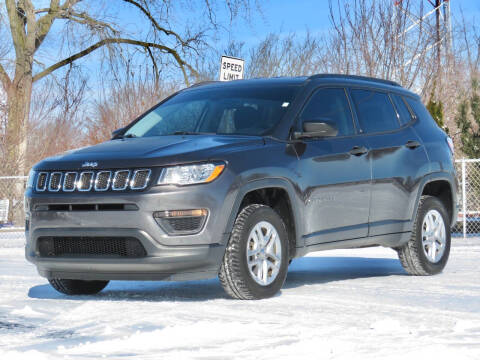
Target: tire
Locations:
point(414, 255)
point(77, 287)
point(241, 279)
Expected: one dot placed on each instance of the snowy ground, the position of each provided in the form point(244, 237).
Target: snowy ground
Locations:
point(342, 304)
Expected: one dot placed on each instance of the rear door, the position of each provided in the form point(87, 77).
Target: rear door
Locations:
point(334, 172)
point(397, 154)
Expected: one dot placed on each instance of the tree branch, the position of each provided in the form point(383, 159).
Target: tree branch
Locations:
point(155, 67)
point(4, 78)
point(45, 22)
point(156, 24)
point(16, 26)
point(183, 65)
point(85, 19)
point(40, 11)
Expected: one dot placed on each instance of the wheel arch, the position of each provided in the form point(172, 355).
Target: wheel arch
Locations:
point(444, 187)
point(289, 210)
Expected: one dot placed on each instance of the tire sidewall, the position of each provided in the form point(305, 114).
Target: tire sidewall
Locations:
point(432, 203)
point(264, 213)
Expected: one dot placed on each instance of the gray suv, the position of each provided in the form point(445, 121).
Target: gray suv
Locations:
point(236, 179)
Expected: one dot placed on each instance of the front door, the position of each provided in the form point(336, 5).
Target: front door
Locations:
point(335, 173)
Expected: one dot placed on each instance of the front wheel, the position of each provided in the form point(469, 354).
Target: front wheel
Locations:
point(255, 263)
point(77, 287)
point(428, 249)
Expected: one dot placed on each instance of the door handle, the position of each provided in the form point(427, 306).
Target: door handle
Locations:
point(358, 150)
point(412, 144)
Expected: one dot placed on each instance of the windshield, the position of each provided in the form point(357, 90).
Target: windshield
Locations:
point(252, 110)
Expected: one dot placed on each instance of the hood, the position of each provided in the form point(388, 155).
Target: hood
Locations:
point(150, 151)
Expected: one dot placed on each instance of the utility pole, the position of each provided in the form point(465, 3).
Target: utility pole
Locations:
point(440, 40)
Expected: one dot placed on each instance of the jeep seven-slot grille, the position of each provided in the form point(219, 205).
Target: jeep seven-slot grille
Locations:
point(64, 246)
point(102, 180)
point(69, 181)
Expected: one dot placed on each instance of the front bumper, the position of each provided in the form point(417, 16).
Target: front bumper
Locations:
point(185, 257)
point(161, 263)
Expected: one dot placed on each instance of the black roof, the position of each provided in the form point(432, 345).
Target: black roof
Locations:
point(354, 77)
point(303, 80)
point(297, 80)
point(284, 80)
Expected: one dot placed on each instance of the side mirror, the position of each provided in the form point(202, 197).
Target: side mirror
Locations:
point(117, 132)
point(317, 128)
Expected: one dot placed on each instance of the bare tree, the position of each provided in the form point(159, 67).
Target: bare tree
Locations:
point(123, 100)
point(371, 38)
point(288, 55)
point(87, 27)
point(57, 124)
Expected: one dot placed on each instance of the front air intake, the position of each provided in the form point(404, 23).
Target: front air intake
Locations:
point(89, 246)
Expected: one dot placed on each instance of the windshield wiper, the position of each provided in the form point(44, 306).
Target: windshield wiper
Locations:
point(192, 133)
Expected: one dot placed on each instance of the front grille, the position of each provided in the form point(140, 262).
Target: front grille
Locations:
point(69, 181)
point(140, 179)
point(102, 180)
point(85, 181)
point(86, 207)
point(120, 180)
point(55, 181)
point(78, 246)
point(42, 181)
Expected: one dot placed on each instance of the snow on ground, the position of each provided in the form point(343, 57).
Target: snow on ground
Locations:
point(340, 304)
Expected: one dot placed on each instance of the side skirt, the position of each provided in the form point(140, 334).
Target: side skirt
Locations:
point(386, 240)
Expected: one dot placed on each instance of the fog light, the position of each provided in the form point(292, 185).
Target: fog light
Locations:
point(181, 222)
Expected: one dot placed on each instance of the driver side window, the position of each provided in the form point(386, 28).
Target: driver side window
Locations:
point(330, 105)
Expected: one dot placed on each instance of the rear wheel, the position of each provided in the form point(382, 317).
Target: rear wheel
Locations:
point(255, 263)
point(77, 287)
point(428, 249)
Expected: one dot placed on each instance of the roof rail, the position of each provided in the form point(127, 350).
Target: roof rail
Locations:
point(201, 83)
point(355, 77)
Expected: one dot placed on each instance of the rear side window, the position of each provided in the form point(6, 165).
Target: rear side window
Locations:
point(404, 115)
point(420, 111)
point(375, 111)
point(330, 105)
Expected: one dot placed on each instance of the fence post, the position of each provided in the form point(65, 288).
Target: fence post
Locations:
point(464, 200)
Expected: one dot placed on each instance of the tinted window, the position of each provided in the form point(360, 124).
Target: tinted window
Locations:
point(330, 105)
point(420, 111)
point(252, 110)
point(375, 111)
point(404, 115)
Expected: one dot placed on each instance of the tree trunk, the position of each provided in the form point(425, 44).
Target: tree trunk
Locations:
point(18, 109)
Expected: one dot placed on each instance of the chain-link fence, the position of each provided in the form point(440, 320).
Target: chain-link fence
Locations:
point(12, 218)
point(468, 172)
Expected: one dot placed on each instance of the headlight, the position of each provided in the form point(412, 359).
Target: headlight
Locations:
point(190, 174)
point(31, 179)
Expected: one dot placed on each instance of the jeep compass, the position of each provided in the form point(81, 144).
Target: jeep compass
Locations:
point(236, 179)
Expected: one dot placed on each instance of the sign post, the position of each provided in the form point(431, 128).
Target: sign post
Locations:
point(231, 68)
